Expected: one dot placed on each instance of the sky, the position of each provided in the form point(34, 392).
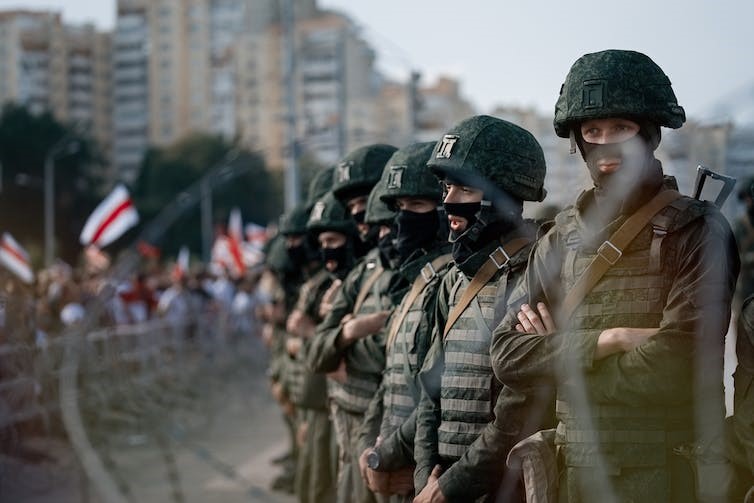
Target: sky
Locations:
point(519, 52)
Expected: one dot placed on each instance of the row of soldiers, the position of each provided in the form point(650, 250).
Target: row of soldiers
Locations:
point(431, 344)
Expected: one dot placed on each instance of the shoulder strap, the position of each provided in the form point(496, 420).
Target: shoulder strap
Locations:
point(611, 251)
point(428, 272)
point(494, 263)
point(365, 287)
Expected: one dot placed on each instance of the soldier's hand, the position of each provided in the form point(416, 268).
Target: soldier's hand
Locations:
point(402, 481)
point(293, 345)
point(268, 333)
point(364, 325)
point(325, 305)
point(339, 375)
point(621, 340)
point(363, 468)
point(301, 432)
point(537, 321)
point(277, 392)
point(293, 322)
point(431, 492)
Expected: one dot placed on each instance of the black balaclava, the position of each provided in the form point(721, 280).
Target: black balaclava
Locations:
point(342, 255)
point(486, 224)
point(639, 177)
point(414, 231)
point(362, 245)
point(388, 253)
point(298, 254)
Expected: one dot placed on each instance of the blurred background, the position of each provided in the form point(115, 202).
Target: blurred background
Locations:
point(215, 115)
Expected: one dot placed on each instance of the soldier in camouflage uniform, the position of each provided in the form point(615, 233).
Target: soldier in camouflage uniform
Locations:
point(488, 167)
point(350, 342)
point(421, 256)
point(740, 426)
point(743, 229)
point(277, 285)
point(317, 464)
point(638, 359)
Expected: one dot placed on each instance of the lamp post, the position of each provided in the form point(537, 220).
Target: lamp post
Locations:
point(64, 146)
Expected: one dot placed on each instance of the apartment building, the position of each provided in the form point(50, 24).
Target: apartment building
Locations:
point(65, 69)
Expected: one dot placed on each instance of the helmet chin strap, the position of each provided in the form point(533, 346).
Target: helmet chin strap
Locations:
point(472, 234)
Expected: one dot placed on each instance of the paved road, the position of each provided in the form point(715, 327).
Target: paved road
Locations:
point(245, 431)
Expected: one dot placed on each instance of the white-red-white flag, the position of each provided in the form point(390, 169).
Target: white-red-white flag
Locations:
point(110, 219)
point(182, 263)
point(15, 258)
point(235, 241)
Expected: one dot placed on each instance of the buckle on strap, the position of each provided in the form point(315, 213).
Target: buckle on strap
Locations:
point(428, 272)
point(609, 252)
point(495, 257)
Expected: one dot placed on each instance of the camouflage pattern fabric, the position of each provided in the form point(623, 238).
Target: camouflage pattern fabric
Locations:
point(616, 83)
point(484, 150)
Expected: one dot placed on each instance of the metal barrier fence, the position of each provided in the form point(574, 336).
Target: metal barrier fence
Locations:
point(129, 385)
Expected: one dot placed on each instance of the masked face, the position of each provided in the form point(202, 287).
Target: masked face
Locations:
point(461, 203)
point(357, 207)
point(334, 252)
point(620, 160)
point(415, 231)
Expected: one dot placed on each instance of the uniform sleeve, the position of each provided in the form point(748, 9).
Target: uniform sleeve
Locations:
point(691, 339)
point(520, 360)
point(370, 426)
point(397, 450)
point(324, 354)
point(428, 417)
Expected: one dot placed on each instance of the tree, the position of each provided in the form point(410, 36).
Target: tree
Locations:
point(25, 141)
point(167, 172)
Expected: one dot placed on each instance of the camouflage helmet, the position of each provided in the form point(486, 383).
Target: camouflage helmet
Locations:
point(377, 211)
point(294, 221)
point(616, 83)
point(407, 175)
point(495, 151)
point(277, 257)
point(329, 214)
point(320, 185)
point(357, 172)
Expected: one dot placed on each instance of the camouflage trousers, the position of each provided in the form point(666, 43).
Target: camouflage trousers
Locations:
point(351, 488)
point(316, 471)
point(739, 434)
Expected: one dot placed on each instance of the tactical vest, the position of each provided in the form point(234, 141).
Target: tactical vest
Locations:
point(307, 389)
point(632, 293)
point(404, 353)
point(359, 388)
point(467, 391)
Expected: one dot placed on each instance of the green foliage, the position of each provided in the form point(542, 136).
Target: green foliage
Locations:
point(167, 172)
point(25, 141)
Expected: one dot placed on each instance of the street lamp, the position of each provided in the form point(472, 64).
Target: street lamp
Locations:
point(64, 146)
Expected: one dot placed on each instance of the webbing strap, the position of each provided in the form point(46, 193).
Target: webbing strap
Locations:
point(427, 273)
point(364, 291)
point(494, 263)
point(611, 251)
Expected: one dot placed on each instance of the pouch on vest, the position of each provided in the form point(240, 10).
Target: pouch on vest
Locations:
point(536, 457)
point(713, 472)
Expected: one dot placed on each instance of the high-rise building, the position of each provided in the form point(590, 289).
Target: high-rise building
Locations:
point(47, 65)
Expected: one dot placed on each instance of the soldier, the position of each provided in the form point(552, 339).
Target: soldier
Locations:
point(316, 472)
point(488, 167)
point(276, 288)
point(744, 232)
point(740, 426)
point(626, 300)
point(350, 341)
point(421, 256)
